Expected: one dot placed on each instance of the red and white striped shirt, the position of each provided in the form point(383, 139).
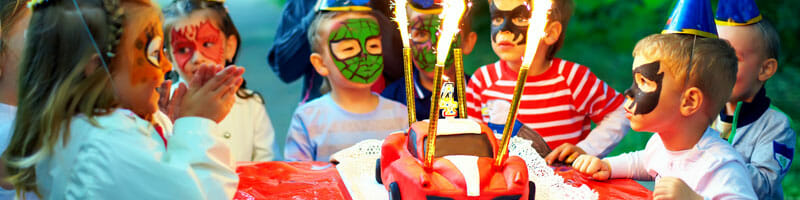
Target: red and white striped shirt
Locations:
point(558, 103)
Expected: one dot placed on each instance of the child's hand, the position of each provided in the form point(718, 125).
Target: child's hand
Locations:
point(212, 97)
point(566, 153)
point(673, 188)
point(599, 169)
point(164, 103)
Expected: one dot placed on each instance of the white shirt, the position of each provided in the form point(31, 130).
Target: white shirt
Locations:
point(247, 129)
point(124, 158)
point(712, 168)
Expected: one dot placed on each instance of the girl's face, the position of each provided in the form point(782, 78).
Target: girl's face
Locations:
point(13, 44)
point(140, 62)
point(196, 40)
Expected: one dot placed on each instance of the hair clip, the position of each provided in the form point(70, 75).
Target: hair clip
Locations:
point(218, 1)
point(34, 3)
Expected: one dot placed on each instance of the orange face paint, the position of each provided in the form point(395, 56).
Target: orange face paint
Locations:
point(149, 60)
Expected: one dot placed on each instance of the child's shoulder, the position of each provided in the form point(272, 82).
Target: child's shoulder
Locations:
point(715, 151)
point(390, 104)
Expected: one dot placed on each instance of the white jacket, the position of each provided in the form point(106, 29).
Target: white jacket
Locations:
point(124, 158)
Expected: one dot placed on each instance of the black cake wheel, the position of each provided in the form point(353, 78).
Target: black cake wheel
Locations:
point(378, 171)
point(394, 191)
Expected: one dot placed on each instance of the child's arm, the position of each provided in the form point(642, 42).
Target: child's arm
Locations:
point(288, 56)
point(764, 168)
point(473, 97)
point(264, 135)
point(607, 134)
point(629, 165)
point(725, 182)
point(298, 143)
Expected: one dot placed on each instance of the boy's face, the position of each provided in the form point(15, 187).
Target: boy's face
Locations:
point(750, 55)
point(424, 33)
point(140, 61)
point(355, 55)
point(653, 98)
point(196, 40)
point(509, 28)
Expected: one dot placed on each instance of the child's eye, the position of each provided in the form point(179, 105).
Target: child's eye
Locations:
point(345, 49)
point(520, 21)
point(183, 50)
point(208, 44)
point(153, 51)
point(420, 36)
point(497, 21)
point(374, 45)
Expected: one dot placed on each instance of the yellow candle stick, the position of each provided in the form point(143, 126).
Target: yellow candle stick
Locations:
point(535, 33)
point(460, 83)
point(409, 78)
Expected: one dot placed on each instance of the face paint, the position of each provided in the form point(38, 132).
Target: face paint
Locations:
point(646, 88)
point(149, 59)
point(424, 32)
point(204, 38)
point(514, 21)
point(356, 48)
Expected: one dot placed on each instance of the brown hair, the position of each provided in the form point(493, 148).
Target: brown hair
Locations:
point(54, 85)
point(713, 63)
point(184, 8)
point(10, 10)
point(560, 12)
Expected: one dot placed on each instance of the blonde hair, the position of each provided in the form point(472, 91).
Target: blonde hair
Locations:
point(54, 84)
point(713, 64)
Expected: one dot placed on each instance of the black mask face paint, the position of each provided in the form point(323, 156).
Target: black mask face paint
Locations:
point(514, 21)
point(646, 88)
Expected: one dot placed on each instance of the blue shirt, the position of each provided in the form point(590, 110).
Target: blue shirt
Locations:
point(321, 127)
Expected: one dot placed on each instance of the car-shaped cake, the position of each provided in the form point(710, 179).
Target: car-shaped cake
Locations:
point(462, 168)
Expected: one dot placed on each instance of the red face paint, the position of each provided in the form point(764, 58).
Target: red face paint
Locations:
point(204, 38)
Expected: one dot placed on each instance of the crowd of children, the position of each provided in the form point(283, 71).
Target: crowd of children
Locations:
point(87, 113)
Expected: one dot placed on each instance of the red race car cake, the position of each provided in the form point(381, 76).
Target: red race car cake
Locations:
point(462, 166)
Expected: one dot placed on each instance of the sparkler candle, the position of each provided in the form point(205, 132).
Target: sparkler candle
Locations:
point(452, 10)
point(539, 14)
point(401, 17)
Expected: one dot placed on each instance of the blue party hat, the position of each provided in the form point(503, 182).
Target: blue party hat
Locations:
point(737, 13)
point(343, 5)
point(431, 7)
point(692, 17)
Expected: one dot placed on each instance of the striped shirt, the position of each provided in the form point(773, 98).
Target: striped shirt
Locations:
point(560, 103)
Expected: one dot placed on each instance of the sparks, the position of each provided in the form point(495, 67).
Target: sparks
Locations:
point(539, 14)
point(401, 17)
point(452, 10)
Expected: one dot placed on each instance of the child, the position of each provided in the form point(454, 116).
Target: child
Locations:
point(201, 32)
point(686, 158)
point(72, 138)
point(346, 50)
point(561, 98)
point(424, 32)
point(763, 134)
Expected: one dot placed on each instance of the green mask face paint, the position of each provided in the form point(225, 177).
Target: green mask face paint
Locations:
point(424, 33)
point(356, 48)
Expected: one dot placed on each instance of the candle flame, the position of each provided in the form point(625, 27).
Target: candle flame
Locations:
point(401, 17)
point(539, 14)
point(452, 10)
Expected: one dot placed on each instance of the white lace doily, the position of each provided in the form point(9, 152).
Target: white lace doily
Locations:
point(357, 168)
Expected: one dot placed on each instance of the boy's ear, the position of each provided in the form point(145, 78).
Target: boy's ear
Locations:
point(468, 42)
point(317, 62)
point(768, 68)
point(691, 101)
point(552, 32)
point(231, 44)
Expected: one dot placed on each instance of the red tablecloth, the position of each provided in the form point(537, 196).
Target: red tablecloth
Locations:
point(320, 180)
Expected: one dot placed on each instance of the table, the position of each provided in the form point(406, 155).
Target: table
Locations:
point(320, 180)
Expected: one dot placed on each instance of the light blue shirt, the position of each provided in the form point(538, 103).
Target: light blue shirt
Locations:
point(321, 127)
